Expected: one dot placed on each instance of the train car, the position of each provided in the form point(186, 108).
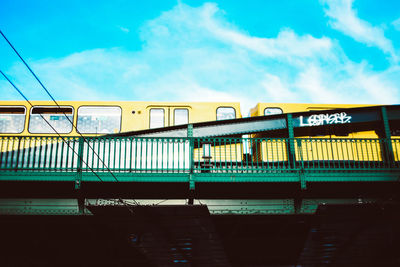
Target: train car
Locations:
point(93, 118)
point(316, 147)
point(26, 128)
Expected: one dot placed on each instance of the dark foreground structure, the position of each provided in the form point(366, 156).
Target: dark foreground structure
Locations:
point(360, 235)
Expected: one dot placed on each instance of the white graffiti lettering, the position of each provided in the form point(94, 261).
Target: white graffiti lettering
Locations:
point(323, 119)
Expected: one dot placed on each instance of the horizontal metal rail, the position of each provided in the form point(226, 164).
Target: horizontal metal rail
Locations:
point(197, 155)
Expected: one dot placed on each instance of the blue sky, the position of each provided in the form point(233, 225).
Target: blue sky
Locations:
point(250, 51)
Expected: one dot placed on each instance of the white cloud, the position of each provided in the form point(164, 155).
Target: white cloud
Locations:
point(277, 90)
point(396, 24)
point(345, 19)
point(194, 54)
point(124, 29)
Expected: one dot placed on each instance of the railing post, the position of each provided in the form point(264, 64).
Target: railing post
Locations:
point(78, 179)
point(291, 149)
point(388, 153)
point(191, 162)
point(18, 151)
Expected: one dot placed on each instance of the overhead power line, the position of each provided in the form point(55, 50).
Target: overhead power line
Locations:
point(47, 91)
point(51, 126)
point(49, 94)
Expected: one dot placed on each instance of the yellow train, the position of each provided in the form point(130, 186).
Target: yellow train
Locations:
point(93, 118)
point(105, 117)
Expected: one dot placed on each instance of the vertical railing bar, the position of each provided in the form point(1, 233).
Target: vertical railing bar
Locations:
point(258, 151)
point(168, 154)
point(151, 153)
point(239, 142)
point(18, 152)
point(46, 151)
point(162, 155)
point(368, 147)
point(358, 164)
point(125, 153)
point(91, 143)
point(51, 152)
point(246, 159)
point(136, 153)
point(327, 162)
point(56, 162)
point(8, 153)
point(289, 156)
point(130, 153)
point(220, 153)
point(40, 152)
point(349, 156)
point(86, 151)
point(114, 140)
point(120, 154)
point(341, 158)
point(35, 148)
point(23, 161)
point(108, 154)
point(179, 154)
point(362, 141)
point(62, 155)
point(26, 153)
point(2, 140)
point(67, 156)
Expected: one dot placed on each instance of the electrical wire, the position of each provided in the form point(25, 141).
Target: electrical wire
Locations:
point(51, 126)
point(48, 93)
point(63, 139)
point(74, 126)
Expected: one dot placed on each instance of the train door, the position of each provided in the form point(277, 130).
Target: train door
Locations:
point(164, 116)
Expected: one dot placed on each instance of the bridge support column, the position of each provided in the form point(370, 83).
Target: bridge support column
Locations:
point(191, 189)
point(191, 162)
point(388, 154)
point(291, 149)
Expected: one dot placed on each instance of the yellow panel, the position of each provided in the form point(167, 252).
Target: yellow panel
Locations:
point(344, 149)
point(228, 153)
point(270, 150)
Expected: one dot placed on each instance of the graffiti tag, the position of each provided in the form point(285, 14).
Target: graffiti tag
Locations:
point(323, 119)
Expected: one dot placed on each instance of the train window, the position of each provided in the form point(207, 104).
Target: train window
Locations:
point(181, 116)
point(59, 118)
point(272, 111)
point(156, 118)
point(12, 119)
point(225, 113)
point(99, 120)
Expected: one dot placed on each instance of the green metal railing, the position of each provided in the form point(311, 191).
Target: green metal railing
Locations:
point(195, 155)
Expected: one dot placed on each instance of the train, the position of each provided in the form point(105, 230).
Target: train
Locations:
point(95, 118)
point(25, 132)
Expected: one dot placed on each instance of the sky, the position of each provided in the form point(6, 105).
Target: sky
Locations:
point(309, 51)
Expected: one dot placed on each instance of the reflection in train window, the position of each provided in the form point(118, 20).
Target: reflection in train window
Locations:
point(225, 113)
point(59, 118)
point(99, 120)
point(272, 111)
point(12, 119)
point(156, 118)
point(181, 116)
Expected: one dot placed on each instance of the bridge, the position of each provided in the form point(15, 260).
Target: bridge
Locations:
point(277, 170)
